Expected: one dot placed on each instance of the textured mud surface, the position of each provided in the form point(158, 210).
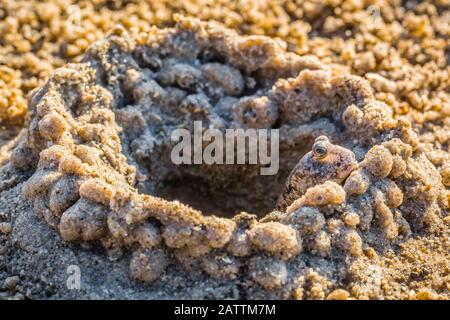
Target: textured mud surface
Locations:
point(93, 163)
point(89, 181)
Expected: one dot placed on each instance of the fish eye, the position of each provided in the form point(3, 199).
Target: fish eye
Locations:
point(319, 149)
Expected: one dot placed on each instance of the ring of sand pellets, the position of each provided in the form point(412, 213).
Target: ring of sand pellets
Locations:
point(99, 131)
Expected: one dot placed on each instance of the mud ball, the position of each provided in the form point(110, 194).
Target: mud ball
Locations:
point(85, 220)
point(345, 239)
point(378, 161)
point(328, 193)
point(378, 115)
point(351, 219)
point(64, 194)
point(398, 147)
point(338, 294)
point(227, 77)
point(53, 126)
point(350, 242)
point(357, 183)
point(181, 74)
point(398, 167)
point(393, 194)
point(219, 231)
point(96, 190)
point(352, 116)
point(148, 265)
point(147, 235)
point(221, 266)
point(178, 236)
point(276, 238)
point(269, 273)
point(256, 112)
point(309, 220)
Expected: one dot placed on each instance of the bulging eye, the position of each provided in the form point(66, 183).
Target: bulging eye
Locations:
point(319, 149)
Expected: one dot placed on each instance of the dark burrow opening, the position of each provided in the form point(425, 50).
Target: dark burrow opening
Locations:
point(226, 190)
point(210, 199)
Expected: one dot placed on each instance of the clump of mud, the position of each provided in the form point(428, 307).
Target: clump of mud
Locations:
point(95, 161)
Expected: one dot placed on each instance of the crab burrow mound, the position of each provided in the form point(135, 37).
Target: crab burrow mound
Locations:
point(98, 142)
